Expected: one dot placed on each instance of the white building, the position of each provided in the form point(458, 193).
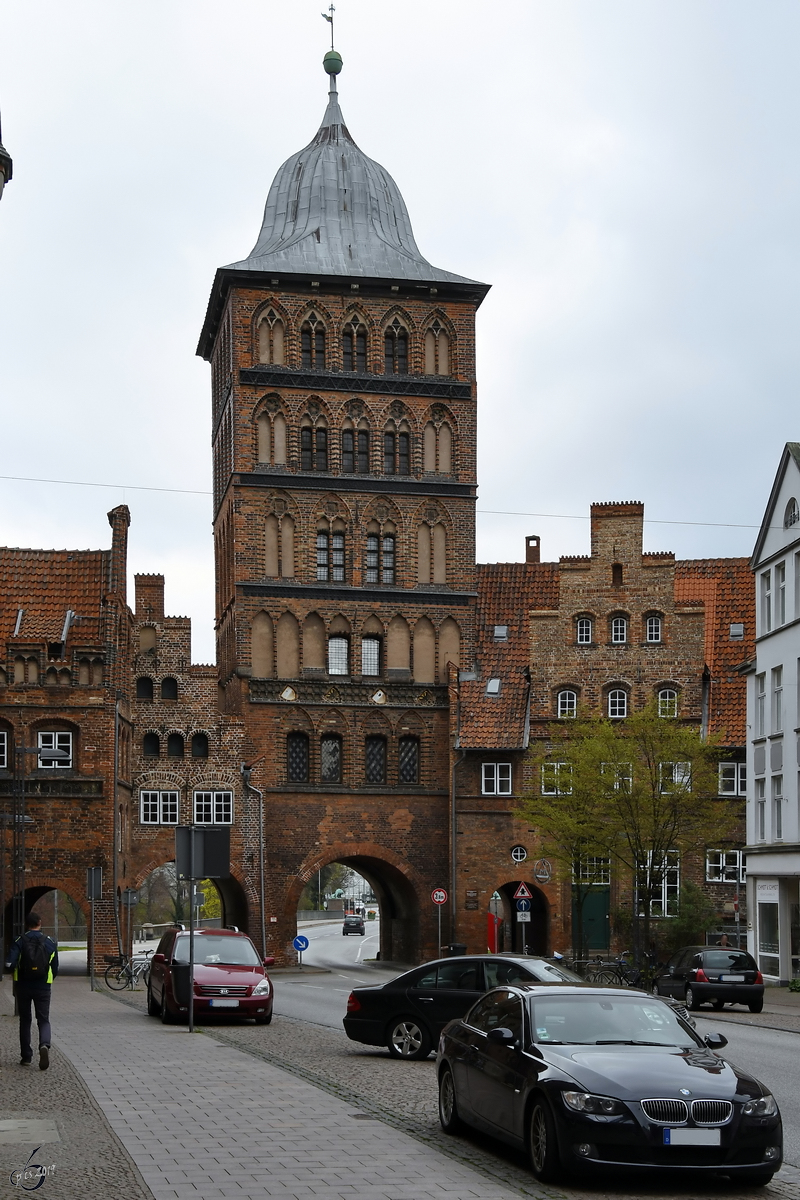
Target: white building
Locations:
point(773, 747)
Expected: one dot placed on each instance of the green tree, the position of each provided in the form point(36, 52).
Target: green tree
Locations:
point(637, 791)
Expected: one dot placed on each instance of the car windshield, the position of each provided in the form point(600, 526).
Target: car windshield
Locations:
point(728, 960)
point(230, 951)
point(588, 1020)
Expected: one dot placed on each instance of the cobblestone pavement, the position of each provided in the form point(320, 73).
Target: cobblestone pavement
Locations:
point(90, 1162)
point(403, 1095)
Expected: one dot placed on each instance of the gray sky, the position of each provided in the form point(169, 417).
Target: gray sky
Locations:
point(624, 174)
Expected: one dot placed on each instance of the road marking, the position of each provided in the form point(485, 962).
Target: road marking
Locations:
point(371, 938)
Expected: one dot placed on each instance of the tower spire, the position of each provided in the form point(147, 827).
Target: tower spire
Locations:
point(329, 19)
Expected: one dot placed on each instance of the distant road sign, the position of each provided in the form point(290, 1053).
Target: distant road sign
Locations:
point(439, 896)
point(523, 906)
point(523, 892)
point(519, 853)
point(300, 943)
point(523, 916)
point(542, 870)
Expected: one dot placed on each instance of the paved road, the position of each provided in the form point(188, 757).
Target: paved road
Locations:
point(771, 1055)
point(322, 998)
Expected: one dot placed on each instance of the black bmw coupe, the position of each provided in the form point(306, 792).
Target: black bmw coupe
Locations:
point(589, 1078)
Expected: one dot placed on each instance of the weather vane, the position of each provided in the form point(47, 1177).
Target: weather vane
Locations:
point(329, 19)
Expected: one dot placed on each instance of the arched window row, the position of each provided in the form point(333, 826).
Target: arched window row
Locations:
point(390, 347)
point(617, 702)
point(587, 628)
point(175, 745)
point(326, 760)
point(379, 556)
point(27, 669)
point(358, 448)
point(287, 649)
point(146, 688)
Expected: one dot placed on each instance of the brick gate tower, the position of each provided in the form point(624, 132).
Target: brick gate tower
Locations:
point(343, 386)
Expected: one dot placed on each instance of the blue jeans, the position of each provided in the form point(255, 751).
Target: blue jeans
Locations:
point(39, 997)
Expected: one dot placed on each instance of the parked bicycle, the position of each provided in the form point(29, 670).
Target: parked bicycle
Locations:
point(622, 971)
point(123, 972)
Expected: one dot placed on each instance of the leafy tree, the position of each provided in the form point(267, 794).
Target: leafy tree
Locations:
point(635, 791)
point(696, 914)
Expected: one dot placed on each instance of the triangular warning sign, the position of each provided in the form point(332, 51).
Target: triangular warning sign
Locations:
point(523, 892)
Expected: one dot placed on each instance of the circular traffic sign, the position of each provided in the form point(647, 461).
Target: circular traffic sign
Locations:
point(519, 853)
point(439, 896)
point(300, 942)
point(523, 906)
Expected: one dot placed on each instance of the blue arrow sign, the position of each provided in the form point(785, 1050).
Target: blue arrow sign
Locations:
point(523, 906)
point(300, 943)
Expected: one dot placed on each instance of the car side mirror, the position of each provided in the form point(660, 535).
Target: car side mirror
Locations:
point(269, 962)
point(715, 1041)
point(503, 1037)
point(158, 958)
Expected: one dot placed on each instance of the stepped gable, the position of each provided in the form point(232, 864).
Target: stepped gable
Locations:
point(46, 584)
point(506, 594)
point(725, 587)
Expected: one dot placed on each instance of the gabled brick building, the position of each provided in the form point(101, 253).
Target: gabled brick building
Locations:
point(606, 633)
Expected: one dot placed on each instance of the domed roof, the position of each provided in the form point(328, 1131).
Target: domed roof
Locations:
point(333, 211)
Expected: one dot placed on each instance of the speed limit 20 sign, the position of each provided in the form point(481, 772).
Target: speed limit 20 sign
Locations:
point(439, 896)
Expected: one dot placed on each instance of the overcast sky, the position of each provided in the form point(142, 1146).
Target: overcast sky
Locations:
point(624, 174)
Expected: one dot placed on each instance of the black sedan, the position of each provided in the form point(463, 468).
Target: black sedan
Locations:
point(718, 975)
point(595, 1078)
point(408, 1013)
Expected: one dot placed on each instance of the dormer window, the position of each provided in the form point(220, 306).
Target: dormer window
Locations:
point(312, 343)
point(395, 349)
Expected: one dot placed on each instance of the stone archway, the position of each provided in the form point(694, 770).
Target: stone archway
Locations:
point(236, 910)
point(395, 884)
point(532, 937)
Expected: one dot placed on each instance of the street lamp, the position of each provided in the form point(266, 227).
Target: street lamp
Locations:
point(6, 165)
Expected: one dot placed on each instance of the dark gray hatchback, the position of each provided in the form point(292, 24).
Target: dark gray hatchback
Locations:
point(718, 975)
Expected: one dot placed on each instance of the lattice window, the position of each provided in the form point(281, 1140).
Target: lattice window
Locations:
point(371, 656)
point(331, 759)
point(297, 758)
point(375, 755)
point(330, 556)
point(408, 769)
point(338, 656)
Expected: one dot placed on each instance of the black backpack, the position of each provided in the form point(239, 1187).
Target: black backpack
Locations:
point(34, 959)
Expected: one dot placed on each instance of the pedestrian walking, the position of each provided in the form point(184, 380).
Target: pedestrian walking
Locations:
point(34, 961)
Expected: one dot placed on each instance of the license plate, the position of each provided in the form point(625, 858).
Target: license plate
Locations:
point(219, 1002)
point(691, 1137)
point(731, 978)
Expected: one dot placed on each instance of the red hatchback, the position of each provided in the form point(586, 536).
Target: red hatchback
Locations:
point(229, 977)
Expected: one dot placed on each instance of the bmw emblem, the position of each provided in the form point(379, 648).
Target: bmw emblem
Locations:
point(685, 1092)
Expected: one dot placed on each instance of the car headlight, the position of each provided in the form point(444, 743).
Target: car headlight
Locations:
point(764, 1107)
point(262, 988)
point(585, 1102)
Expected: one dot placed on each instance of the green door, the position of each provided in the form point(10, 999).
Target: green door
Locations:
point(595, 919)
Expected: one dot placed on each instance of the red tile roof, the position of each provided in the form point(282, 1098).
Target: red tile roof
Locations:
point(45, 584)
point(725, 586)
point(506, 594)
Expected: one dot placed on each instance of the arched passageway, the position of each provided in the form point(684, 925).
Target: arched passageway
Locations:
point(163, 900)
point(64, 918)
point(530, 936)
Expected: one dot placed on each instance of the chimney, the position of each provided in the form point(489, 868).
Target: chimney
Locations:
point(149, 597)
point(532, 547)
point(119, 519)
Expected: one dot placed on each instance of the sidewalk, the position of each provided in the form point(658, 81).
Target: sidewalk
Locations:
point(781, 1011)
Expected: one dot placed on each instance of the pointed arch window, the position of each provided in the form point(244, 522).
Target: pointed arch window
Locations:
point(437, 350)
point(330, 555)
point(395, 349)
point(330, 759)
point(271, 339)
point(312, 343)
point(380, 558)
point(408, 760)
point(355, 451)
point(297, 758)
point(375, 759)
point(314, 448)
point(354, 346)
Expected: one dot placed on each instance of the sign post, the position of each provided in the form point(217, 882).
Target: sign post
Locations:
point(300, 944)
point(439, 897)
point(94, 891)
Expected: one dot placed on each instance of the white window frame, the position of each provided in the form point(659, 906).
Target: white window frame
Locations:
point(496, 779)
point(3, 750)
point(336, 664)
point(732, 779)
point(556, 779)
point(761, 810)
point(159, 808)
point(621, 775)
point(619, 626)
point(217, 804)
point(726, 866)
point(583, 631)
point(55, 740)
point(761, 704)
point(674, 776)
point(615, 693)
point(766, 601)
point(670, 884)
point(567, 701)
point(667, 702)
point(777, 808)
point(777, 699)
point(653, 629)
point(780, 594)
point(598, 876)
